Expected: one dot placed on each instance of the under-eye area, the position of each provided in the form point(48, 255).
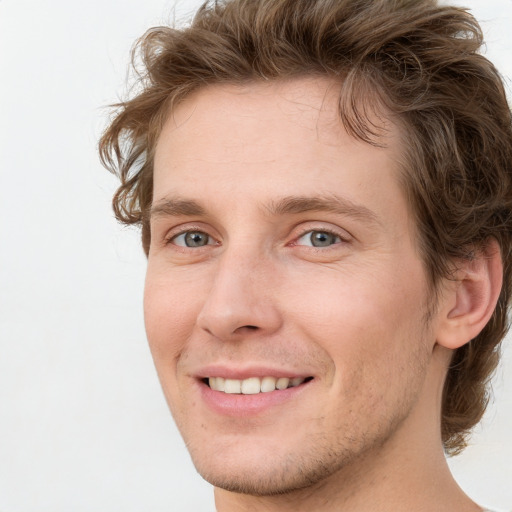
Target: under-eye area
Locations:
point(254, 385)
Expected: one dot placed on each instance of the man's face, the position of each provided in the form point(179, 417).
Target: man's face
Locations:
point(283, 254)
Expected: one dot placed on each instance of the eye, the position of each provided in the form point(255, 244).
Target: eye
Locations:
point(192, 239)
point(319, 239)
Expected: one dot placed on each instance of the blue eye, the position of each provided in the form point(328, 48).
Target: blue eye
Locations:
point(192, 239)
point(319, 239)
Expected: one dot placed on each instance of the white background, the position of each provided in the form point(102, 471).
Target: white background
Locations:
point(83, 424)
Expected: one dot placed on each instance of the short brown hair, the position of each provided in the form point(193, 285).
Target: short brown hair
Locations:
point(420, 61)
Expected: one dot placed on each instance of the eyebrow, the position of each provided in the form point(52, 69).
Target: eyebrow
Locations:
point(290, 205)
point(330, 204)
point(175, 207)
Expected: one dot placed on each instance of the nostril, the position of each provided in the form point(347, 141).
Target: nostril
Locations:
point(244, 329)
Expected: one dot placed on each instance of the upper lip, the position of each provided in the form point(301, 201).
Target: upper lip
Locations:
point(241, 373)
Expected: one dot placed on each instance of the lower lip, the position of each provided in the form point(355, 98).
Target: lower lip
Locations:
point(238, 405)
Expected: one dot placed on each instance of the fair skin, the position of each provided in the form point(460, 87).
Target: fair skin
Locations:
point(283, 248)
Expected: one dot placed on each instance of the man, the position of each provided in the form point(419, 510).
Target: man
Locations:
point(324, 190)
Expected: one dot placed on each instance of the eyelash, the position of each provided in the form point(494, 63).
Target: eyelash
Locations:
point(168, 240)
point(334, 233)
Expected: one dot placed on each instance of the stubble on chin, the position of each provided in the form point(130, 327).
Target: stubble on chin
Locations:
point(304, 471)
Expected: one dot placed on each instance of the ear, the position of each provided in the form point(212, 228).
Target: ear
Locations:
point(469, 301)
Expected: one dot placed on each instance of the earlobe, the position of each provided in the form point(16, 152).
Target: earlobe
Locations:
point(470, 300)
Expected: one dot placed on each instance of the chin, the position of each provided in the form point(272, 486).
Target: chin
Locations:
point(271, 465)
point(267, 481)
point(270, 470)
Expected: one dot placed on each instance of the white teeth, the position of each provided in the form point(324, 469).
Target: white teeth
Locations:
point(268, 384)
point(282, 383)
point(217, 383)
point(296, 382)
point(232, 386)
point(253, 385)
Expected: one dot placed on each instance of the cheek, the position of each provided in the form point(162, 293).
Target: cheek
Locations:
point(169, 315)
point(361, 320)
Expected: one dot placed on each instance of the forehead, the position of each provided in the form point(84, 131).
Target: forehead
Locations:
point(271, 137)
point(304, 104)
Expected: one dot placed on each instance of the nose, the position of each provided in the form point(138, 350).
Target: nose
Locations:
point(240, 301)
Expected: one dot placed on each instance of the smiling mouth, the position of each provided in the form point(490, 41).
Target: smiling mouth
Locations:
point(253, 385)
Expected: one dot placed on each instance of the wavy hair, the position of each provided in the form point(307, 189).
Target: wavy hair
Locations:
point(420, 63)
